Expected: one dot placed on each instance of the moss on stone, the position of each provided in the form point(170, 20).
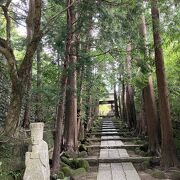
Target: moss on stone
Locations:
point(142, 153)
point(66, 155)
point(84, 141)
point(83, 164)
point(82, 147)
point(145, 164)
point(149, 171)
point(74, 163)
point(67, 171)
point(63, 164)
point(78, 173)
point(158, 174)
point(82, 154)
point(175, 175)
point(6, 177)
point(138, 142)
point(65, 160)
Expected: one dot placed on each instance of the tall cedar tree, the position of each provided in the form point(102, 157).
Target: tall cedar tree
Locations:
point(168, 154)
point(116, 108)
point(149, 98)
point(66, 95)
point(38, 96)
point(71, 97)
point(130, 106)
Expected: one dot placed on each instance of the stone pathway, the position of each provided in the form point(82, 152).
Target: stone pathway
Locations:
point(114, 171)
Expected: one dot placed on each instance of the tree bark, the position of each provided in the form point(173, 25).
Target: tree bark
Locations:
point(141, 121)
point(168, 151)
point(14, 110)
point(27, 112)
point(71, 97)
point(124, 102)
point(149, 98)
point(38, 110)
point(59, 125)
point(19, 77)
point(151, 118)
point(116, 103)
point(89, 103)
point(130, 106)
point(120, 100)
point(79, 100)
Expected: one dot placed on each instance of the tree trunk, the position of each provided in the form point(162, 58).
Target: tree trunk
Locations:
point(120, 108)
point(120, 102)
point(79, 99)
point(151, 118)
point(149, 98)
point(141, 122)
point(168, 151)
point(14, 110)
point(130, 106)
point(89, 112)
point(59, 126)
point(71, 97)
point(38, 110)
point(27, 112)
point(116, 103)
point(123, 102)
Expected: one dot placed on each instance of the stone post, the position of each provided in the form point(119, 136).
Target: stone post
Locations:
point(37, 161)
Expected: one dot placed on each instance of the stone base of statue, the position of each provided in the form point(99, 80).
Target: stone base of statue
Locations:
point(37, 161)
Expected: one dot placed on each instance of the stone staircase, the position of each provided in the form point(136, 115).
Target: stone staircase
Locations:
point(112, 150)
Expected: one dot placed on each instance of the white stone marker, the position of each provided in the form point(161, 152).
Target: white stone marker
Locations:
point(37, 161)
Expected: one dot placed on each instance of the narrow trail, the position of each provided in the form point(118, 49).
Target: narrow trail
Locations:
point(111, 170)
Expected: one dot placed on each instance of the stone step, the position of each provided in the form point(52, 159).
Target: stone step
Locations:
point(109, 124)
point(114, 147)
point(117, 171)
point(120, 160)
point(114, 139)
point(114, 161)
point(110, 130)
point(110, 133)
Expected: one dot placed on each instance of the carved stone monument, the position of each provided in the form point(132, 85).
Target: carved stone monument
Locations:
point(37, 161)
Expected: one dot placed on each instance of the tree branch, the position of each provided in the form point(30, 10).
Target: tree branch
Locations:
point(54, 18)
point(8, 21)
point(34, 36)
point(9, 55)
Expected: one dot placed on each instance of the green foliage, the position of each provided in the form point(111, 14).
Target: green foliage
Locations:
point(101, 57)
point(17, 175)
point(172, 62)
point(11, 175)
point(61, 175)
point(140, 80)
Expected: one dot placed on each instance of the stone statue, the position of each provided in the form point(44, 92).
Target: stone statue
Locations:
point(37, 161)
